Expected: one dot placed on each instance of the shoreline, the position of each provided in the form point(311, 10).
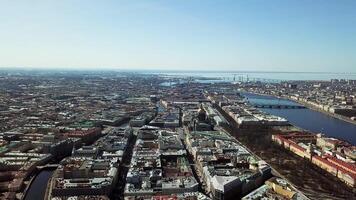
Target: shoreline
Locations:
point(312, 107)
point(24, 192)
point(309, 186)
point(40, 170)
point(309, 106)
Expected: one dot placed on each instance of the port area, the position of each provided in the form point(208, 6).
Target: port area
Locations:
point(313, 181)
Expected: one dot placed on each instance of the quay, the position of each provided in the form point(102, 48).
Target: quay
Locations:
point(39, 170)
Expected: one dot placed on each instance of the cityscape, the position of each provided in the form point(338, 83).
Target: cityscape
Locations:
point(128, 135)
point(178, 100)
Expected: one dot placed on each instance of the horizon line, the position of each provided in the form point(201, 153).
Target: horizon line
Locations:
point(160, 70)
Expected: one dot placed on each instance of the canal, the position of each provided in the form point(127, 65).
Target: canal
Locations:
point(307, 119)
point(38, 186)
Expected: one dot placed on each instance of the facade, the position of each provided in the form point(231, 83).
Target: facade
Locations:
point(321, 152)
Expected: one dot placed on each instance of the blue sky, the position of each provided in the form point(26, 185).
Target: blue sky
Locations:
point(277, 35)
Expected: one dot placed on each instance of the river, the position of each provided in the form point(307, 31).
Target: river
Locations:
point(38, 186)
point(308, 119)
point(37, 189)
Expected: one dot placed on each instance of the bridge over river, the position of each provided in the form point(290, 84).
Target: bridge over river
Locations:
point(279, 106)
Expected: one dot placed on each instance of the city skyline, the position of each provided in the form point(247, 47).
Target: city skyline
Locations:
point(183, 100)
point(127, 136)
point(280, 36)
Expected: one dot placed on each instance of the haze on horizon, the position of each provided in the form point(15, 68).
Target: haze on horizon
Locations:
point(256, 35)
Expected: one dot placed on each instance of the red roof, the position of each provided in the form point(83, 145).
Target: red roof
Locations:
point(295, 135)
point(279, 137)
point(282, 138)
point(347, 172)
point(340, 163)
point(325, 161)
point(297, 146)
point(331, 164)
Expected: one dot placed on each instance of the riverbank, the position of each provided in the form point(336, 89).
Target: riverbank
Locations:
point(28, 184)
point(38, 187)
point(308, 119)
point(310, 106)
point(307, 105)
point(314, 182)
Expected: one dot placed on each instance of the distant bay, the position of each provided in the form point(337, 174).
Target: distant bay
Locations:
point(266, 76)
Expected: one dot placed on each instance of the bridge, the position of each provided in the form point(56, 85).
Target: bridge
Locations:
point(48, 166)
point(279, 106)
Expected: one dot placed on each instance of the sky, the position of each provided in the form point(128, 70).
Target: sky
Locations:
point(248, 35)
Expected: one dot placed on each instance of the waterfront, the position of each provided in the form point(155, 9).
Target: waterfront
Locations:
point(268, 76)
point(37, 189)
point(308, 119)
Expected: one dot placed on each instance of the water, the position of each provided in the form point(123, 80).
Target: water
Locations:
point(168, 84)
point(308, 119)
point(38, 187)
point(262, 76)
point(268, 100)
